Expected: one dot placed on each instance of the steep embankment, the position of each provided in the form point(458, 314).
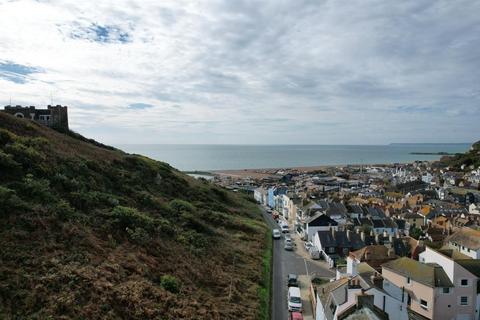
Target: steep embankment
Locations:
point(469, 159)
point(89, 232)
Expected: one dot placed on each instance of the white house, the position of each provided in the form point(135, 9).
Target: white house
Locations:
point(463, 297)
point(260, 195)
point(474, 208)
point(467, 241)
point(319, 222)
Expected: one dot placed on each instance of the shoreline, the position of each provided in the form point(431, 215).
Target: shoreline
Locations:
point(269, 172)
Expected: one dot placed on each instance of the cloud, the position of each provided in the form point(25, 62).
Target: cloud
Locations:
point(243, 71)
point(140, 106)
point(16, 72)
point(98, 33)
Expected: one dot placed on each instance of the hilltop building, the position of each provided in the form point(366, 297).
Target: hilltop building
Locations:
point(55, 117)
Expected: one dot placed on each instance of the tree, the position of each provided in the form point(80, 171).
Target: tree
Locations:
point(415, 232)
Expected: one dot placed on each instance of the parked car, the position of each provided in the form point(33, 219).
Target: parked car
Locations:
point(288, 236)
point(284, 228)
point(276, 234)
point(308, 245)
point(294, 299)
point(314, 253)
point(292, 280)
point(288, 246)
point(295, 316)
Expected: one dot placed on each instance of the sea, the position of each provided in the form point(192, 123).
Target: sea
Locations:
point(200, 157)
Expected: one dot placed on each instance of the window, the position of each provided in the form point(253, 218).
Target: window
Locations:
point(408, 280)
point(464, 301)
point(446, 290)
point(464, 282)
point(423, 304)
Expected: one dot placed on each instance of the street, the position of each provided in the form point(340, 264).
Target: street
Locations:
point(285, 262)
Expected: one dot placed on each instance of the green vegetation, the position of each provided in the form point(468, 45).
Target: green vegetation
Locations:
point(469, 159)
point(169, 283)
point(265, 290)
point(415, 232)
point(90, 232)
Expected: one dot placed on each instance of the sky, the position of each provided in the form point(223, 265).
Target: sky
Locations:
point(248, 72)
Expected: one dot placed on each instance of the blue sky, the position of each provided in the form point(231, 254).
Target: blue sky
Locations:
point(312, 72)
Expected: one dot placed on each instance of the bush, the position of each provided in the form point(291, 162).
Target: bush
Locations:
point(5, 137)
point(63, 210)
point(28, 156)
point(9, 200)
point(181, 206)
point(126, 217)
point(139, 235)
point(7, 164)
point(37, 189)
point(169, 283)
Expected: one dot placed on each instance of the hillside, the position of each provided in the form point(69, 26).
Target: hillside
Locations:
point(90, 232)
point(467, 159)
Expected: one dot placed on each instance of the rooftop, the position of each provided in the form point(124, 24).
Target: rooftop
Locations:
point(431, 275)
point(467, 237)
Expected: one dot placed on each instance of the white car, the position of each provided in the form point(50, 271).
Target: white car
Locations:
point(276, 234)
point(308, 245)
point(284, 228)
point(294, 299)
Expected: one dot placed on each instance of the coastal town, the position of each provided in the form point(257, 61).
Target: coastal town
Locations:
point(399, 241)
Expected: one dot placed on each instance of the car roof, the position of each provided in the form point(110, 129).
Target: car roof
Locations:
point(292, 276)
point(294, 291)
point(297, 316)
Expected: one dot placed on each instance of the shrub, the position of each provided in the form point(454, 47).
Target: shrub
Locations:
point(139, 235)
point(28, 156)
point(169, 283)
point(37, 189)
point(5, 137)
point(9, 200)
point(126, 217)
point(63, 210)
point(181, 206)
point(7, 164)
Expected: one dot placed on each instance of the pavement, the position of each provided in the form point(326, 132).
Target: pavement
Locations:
point(308, 312)
point(297, 262)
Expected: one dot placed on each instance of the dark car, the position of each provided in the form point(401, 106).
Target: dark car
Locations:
point(292, 280)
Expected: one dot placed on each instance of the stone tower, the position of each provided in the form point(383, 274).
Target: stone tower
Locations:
point(55, 117)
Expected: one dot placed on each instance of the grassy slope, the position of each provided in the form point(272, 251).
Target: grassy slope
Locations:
point(469, 158)
point(88, 232)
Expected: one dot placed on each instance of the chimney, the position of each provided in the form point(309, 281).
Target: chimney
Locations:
point(364, 300)
point(390, 238)
point(333, 232)
point(391, 253)
point(377, 280)
point(349, 235)
point(357, 230)
point(385, 234)
point(367, 255)
point(362, 236)
point(377, 238)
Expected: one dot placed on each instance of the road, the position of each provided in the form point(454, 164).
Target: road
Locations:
point(285, 262)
